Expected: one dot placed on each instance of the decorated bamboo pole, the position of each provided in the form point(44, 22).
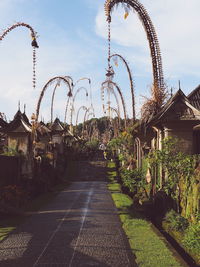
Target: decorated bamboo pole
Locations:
point(90, 114)
point(85, 117)
point(46, 86)
point(107, 87)
point(72, 89)
point(82, 107)
point(108, 83)
point(33, 43)
point(116, 112)
point(52, 99)
point(35, 116)
point(158, 89)
point(73, 100)
point(115, 56)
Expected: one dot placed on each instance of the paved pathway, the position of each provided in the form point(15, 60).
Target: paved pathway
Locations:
point(80, 227)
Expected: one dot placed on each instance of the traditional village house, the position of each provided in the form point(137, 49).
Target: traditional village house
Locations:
point(179, 118)
point(70, 138)
point(3, 139)
point(70, 142)
point(57, 131)
point(18, 133)
point(194, 98)
point(42, 147)
point(57, 135)
point(43, 140)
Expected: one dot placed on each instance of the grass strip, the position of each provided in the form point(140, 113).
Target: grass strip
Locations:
point(147, 246)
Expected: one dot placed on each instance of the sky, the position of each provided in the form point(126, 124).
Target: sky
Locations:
point(72, 38)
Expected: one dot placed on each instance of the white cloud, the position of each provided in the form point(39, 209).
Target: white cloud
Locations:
point(80, 53)
point(178, 28)
point(57, 56)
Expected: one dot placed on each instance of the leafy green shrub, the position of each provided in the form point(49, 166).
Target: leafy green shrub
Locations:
point(192, 238)
point(127, 180)
point(180, 172)
point(133, 179)
point(11, 152)
point(122, 146)
point(197, 216)
point(176, 221)
point(93, 144)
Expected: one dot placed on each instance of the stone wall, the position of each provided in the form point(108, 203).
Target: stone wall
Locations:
point(9, 170)
point(184, 132)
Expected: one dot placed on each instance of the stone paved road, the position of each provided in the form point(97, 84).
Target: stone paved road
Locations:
point(80, 227)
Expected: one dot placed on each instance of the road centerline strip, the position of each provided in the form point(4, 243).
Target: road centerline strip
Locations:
point(55, 231)
point(85, 211)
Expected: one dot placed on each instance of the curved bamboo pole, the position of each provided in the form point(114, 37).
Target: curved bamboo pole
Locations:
point(130, 80)
point(66, 109)
point(73, 100)
point(33, 43)
point(158, 92)
point(52, 99)
point(112, 121)
point(82, 107)
point(84, 120)
point(87, 110)
point(73, 86)
point(78, 90)
point(121, 96)
point(90, 114)
point(105, 86)
point(57, 78)
point(115, 110)
point(82, 79)
point(19, 24)
point(119, 122)
point(70, 80)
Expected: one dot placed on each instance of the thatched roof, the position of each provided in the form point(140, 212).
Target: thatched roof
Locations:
point(57, 126)
point(194, 97)
point(3, 123)
point(42, 129)
point(178, 100)
point(20, 124)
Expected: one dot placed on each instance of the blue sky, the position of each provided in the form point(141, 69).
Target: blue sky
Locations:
point(72, 40)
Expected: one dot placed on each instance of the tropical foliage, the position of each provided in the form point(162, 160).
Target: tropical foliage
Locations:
point(180, 180)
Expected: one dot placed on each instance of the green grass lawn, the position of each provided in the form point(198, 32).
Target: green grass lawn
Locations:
point(147, 245)
point(4, 231)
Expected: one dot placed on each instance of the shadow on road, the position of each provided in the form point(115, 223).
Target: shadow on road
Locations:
point(80, 227)
point(88, 171)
